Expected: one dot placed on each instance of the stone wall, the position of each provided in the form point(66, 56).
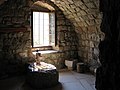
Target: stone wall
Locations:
point(14, 15)
point(14, 27)
point(16, 43)
point(66, 41)
point(14, 36)
point(12, 43)
point(85, 16)
point(78, 26)
point(66, 45)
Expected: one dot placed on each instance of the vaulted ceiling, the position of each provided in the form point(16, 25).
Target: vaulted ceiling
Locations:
point(82, 13)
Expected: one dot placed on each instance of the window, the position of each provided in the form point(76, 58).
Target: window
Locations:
point(43, 32)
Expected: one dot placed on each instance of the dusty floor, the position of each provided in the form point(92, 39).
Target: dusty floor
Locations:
point(69, 80)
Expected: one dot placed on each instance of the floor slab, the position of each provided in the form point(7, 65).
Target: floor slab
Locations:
point(68, 80)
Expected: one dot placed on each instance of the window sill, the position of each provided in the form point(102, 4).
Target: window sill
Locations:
point(45, 52)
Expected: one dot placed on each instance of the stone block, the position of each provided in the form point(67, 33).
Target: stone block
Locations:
point(91, 17)
point(69, 64)
point(91, 44)
point(98, 21)
point(85, 1)
point(86, 43)
point(90, 22)
point(73, 6)
point(77, 9)
point(83, 7)
point(80, 67)
point(90, 5)
point(85, 17)
point(70, 1)
point(83, 12)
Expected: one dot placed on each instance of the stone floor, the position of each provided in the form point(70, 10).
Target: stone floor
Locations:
point(69, 80)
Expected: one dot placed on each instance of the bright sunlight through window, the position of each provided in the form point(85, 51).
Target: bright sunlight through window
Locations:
point(43, 29)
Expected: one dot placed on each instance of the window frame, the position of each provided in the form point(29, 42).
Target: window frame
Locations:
point(31, 23)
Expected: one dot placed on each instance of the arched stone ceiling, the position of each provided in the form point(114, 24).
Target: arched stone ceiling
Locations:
point(82, 13)
point(42, 6)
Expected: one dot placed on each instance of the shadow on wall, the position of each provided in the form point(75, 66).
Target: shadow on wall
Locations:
point(94, 62)
point(14, 66)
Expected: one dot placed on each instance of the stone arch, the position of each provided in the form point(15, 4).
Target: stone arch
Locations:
point(83, 15)
point(45, 4)
point(64, 30)
point(42, 6)
point(86, 18)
